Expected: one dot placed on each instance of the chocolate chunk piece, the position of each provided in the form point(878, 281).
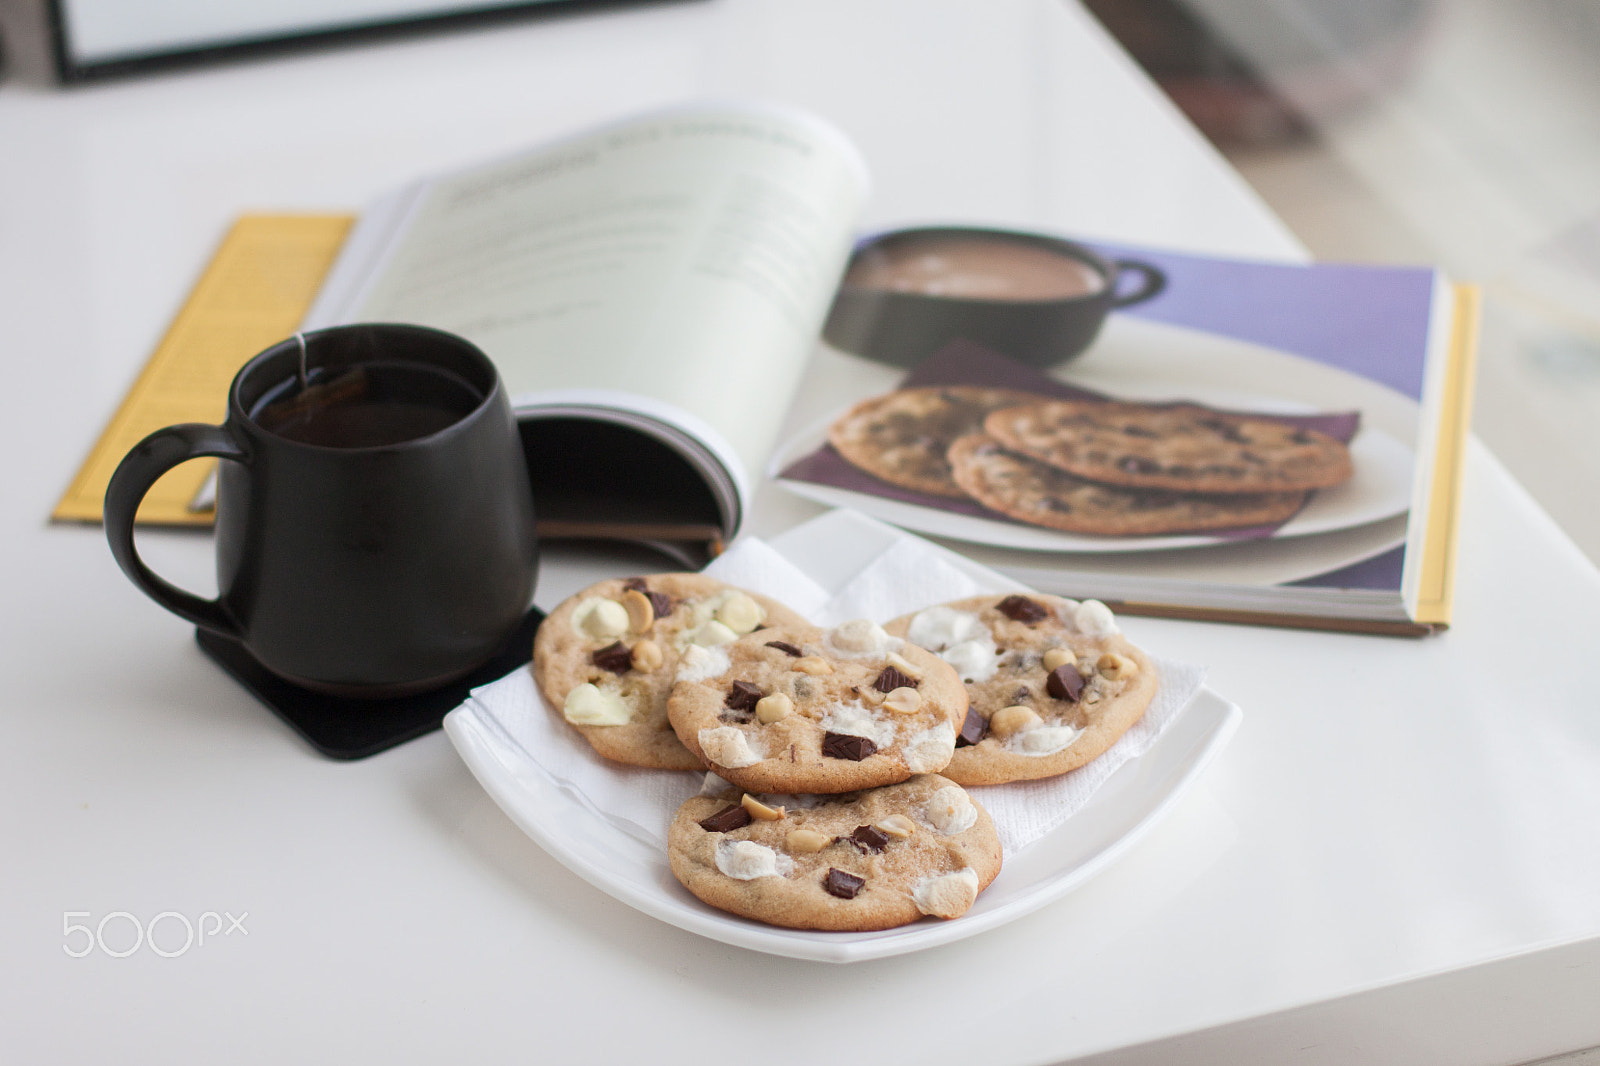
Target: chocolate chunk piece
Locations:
point(892, 679)
point(974, 729)
point(1022, 609)
point(869, 838)
point(845, 746)
point(785, 647)
point(845, 886)
point(743, 696)
point(613, 657)
point(726, 820)
point(1064, 683)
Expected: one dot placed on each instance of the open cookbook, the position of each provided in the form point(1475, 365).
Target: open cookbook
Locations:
point(683, 309)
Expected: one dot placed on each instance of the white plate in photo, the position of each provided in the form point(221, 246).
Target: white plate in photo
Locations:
point(1154, 362)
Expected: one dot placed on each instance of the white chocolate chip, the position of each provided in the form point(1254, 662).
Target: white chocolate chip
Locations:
point(1116, 667)
point(771, 708)
point(598, 618)
point(946, 895)
point(950, 811)
point(903, 701)
point(727, 746)
point(713, 635)
point(1093, 618)
point(745, 860)
point(897, 825)
point(591, 705)
point(814, 665)
point(740, 613)
point(1015, 719)
point(646, 656)
point(1058, 657)
point(806, 841)
point(702, 664)
point(641, 612)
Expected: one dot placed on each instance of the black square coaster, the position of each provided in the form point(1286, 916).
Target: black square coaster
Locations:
point(343, 728)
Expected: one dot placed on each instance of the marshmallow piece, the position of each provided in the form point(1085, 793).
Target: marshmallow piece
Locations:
point(1044, 740)
point(854, 720)
point(702, 664)
point(598, 618)
point(930, 751)
point(745, 860)
point(938, 628)
point(950, 811)
point(859, 639)
point(946, 895)
point(727, 746)
point(975, 660)
point(1093, 618)
point(590, 705)
point(714, 785)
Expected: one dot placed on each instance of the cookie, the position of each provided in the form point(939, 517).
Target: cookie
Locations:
point(902, 436)
point(1171, 446)
point(606, 657)
point(1052, 682)
point(1030, 491)
point(800, 709)
point(859, 861)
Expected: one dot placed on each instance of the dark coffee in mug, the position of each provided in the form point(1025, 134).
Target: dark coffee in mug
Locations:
point(373, 405)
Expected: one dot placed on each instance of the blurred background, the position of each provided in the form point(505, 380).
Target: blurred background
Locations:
point(1461, 133)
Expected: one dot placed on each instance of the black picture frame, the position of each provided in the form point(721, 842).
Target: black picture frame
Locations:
point(72, 70)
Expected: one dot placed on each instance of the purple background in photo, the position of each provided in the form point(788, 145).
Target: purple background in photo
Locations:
point(1370, 320)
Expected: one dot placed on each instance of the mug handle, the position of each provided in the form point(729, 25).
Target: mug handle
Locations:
point(139, 469)
point(1154, 280)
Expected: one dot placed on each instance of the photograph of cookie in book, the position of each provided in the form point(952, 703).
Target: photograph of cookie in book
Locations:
point(1230, 439)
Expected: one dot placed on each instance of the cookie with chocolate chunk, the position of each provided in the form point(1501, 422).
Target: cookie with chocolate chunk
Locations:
point(902, 436)
point(1029, 491)
point(605, 658)
point(810, 710)
point(858, 861)
point(1181, 447)
point(1052, 682)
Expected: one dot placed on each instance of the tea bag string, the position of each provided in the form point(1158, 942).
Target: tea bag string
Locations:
point(300, 339)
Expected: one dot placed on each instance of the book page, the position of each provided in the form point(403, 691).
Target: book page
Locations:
point(688, 256)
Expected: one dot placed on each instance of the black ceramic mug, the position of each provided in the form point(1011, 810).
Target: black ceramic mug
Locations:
point(909, 292)
point(374, 528)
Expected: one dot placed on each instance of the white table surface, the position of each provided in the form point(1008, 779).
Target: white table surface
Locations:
point(1397, 860)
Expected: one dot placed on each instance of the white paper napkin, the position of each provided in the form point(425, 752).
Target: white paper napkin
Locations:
point(909, 575)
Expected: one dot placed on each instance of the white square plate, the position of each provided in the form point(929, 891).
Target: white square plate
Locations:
point(831, 550)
